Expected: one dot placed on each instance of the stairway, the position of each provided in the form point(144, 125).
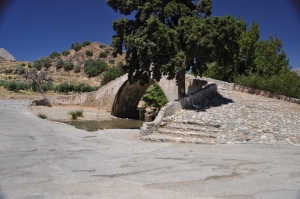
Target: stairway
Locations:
point(190, 131)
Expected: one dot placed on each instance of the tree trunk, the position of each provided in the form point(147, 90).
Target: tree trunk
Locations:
point(181, 84)
point(44, 95)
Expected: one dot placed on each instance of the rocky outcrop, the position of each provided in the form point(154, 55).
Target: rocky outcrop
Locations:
point(6, 55)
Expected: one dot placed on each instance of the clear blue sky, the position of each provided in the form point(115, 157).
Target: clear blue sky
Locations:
point(31, 29)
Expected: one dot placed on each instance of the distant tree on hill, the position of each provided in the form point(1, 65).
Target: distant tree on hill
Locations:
point(89, 53)
point(42, 62)
point(77, 47)
point(94, 67)
point(102, 55)
point(68, 66)
point(86, 43)
point(65, 53)
point(59, 63)
point(54, 55)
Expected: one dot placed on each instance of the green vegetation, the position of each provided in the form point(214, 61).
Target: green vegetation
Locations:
point(107, 51)
point(94, 67)
point(86, 43)
point(54, 55)
point(17, 85)
point(65, 53)
point(20, 70)
point(155, 97)
point(102, 46)
point(77, 47)
point(42, 116)
point(112, 73)
point(42, 62)
point(89, 53)
point(76, 114)
point(102, 55)
point(111, 61)
point(59, 63)
point(68, 66)
point(77, 69)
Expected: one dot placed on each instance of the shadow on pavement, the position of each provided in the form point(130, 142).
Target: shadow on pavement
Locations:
point(217, 100)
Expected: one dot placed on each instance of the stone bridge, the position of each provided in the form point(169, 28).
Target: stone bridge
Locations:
point(121, 98)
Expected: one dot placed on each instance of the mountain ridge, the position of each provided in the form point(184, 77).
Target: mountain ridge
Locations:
point(6, 55)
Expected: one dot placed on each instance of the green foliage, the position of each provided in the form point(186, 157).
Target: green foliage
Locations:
point(17, 85)
point(20, 70)
point(76, 114)
point(77, 47)
point(102, 46)
point(77, 69)
point(9, 71)
point(66, 88)
point(102, 55)
point(285, 83)
point(42, 116)
point(42, 62)
point(107, 51)
point(86, 43)
point(89, 53)
point(111, 61)
point(68, 66)
point(65, 53)
point(112, 73)
point(54, 55)
point(23, 64)
point(155, 97)
point(94, 67)
point(59, 63)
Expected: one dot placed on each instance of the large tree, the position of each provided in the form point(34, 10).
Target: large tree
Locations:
point(163, 35)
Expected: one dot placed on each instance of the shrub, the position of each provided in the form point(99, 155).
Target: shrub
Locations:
point(102, 46)
point(94, 67)
point(68, 66)
point(89, 53)
point(102, 55)
point(112, 73)
point(9, 71)
point(76, 114)
point(111, 61)
point(155, 97)
point(42, 62)
point(86, 43)
point(65, 53)
point(77, 47)
point(54, 55)
point(107, 51)
point(42, 116)
point(77, 69)
point(66, 88)
point(23, 64)
point(20, 70)
point(59, 63)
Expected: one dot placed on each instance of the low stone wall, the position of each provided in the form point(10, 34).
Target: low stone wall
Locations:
point(237, 87)
point(171, 108)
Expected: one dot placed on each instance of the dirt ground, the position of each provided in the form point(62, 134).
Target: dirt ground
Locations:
point(57, 113)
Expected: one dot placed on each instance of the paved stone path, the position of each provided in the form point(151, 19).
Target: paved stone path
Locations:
point(234, 118)
point(43, 159)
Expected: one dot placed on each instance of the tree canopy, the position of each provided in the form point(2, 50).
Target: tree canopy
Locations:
point(160, 35)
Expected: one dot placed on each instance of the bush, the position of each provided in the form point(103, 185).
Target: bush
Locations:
point(287, 84)
point(155, 97)
point(111, 61)
point(77, 69)
point(65, 53)
point(102, 46)
point(20, 70)
point(76, 114)
point(68, 66)
point(42, 116)
point(59, 63)
point(102, 55)
point(107, 51)
point(23, 64)
point(89, 53)
point(9, 71)
point(86, 43)
point(54, 55)
point(66, 88)
point(94, 67)
point(112, 73)
point(42, 62)
point(77, 47)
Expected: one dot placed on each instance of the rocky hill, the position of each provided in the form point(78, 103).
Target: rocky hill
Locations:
point(6, 55)
point(78, 58)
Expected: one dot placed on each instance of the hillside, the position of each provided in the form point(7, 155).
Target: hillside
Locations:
point(59, 75)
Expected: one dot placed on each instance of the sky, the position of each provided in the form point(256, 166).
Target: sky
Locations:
point(31, 29)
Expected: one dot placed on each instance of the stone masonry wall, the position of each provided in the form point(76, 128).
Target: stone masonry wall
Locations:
point(171, 108)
